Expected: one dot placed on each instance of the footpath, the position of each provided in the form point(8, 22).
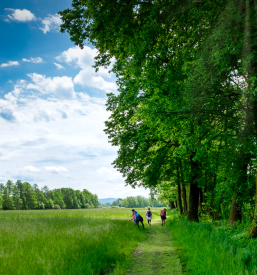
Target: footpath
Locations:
point(157, 254)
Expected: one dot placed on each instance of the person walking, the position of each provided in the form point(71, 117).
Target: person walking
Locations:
point(137, 218)
point(148, 216)
point(163, 216)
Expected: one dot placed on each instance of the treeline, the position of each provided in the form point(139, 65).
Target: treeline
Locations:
point(184, 119)
point(23, 196)
point(134, 202)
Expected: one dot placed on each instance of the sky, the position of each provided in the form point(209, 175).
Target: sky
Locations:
point(52, 105)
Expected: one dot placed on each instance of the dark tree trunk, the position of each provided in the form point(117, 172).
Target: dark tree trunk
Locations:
point(172, 205)
point(184, 192)
point(180, 200)
point(193, 203)
point(179, 192)
point(235, 212)
point(253, 230)
point(194, 192)
point(235, 209)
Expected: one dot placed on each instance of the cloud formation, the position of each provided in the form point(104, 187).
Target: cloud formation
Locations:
point(21, 15)
point(32, 169)
point(59, 66)
point(58, 169)
point(84, 59)
point(33, 60)
point(61, 87)
point(10, 63)
point(51, 22)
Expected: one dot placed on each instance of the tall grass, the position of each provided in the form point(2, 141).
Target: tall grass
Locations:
point(65, 241)
point(209, 249)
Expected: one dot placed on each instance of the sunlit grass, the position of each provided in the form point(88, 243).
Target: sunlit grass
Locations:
point(88, 241)
point(214, 249)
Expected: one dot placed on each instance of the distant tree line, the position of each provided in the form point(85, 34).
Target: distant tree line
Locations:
point(138, 202)
point(23, 196)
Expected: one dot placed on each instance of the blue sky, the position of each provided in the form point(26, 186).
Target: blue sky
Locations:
point(52, 105)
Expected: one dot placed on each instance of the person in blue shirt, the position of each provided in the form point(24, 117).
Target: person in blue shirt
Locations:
point(137, 218)
point(148, 216)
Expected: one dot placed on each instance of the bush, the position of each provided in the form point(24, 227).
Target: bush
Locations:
point(87, 206)
point(56, 206)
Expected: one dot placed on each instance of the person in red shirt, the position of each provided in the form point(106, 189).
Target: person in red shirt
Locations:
point(163, 216)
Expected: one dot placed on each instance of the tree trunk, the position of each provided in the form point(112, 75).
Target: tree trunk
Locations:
point(253, 230)
point(180, 200)
point(176, 204)
point(172, 205)
point(194, 192)
point(179, 192)
point(184, 192)
point(193, 203)
point(235, 212)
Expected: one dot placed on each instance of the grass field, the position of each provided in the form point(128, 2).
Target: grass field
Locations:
point(90, 241)
point(214, 249)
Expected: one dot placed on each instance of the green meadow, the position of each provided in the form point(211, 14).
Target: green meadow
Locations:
point(89, 241)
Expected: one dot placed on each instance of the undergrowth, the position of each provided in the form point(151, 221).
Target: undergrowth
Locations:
point(214, 249)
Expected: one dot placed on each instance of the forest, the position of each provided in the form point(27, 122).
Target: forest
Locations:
point(185, 115)
point(23, 196)
point(135, 202)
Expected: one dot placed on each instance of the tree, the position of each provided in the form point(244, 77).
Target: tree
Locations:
point(30, 196)
point(8, 203)
point(16, 198)
point(1, 201)
point(186, 88)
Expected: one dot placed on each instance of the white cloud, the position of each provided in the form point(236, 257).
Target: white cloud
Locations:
point(49, 127)
point(10, 63)
point(59, 66)
point(21, 15)
point(33, 60)
point(61, 87)
point(84, 59)
point(58, 169)
point(52, 22)
point(30, 168)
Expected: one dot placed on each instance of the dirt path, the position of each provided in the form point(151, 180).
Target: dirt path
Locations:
point(157, 254)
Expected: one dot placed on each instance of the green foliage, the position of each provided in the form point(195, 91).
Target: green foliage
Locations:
point(8, 203)
point(131, 202)
point(22, 195)
point(1, 201)
point(186, 107)
point(214, 249)
point(66, 241)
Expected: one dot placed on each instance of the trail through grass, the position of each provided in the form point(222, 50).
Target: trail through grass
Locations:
point(156, 255)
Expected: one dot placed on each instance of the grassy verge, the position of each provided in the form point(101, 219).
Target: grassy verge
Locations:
point(66, 241)
point(214, 249)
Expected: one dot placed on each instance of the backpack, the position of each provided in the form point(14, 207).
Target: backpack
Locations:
point(137, 216)
point(149, 213)
point(163, 213)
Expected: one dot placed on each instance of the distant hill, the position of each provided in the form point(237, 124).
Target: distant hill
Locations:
point(110, 200)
